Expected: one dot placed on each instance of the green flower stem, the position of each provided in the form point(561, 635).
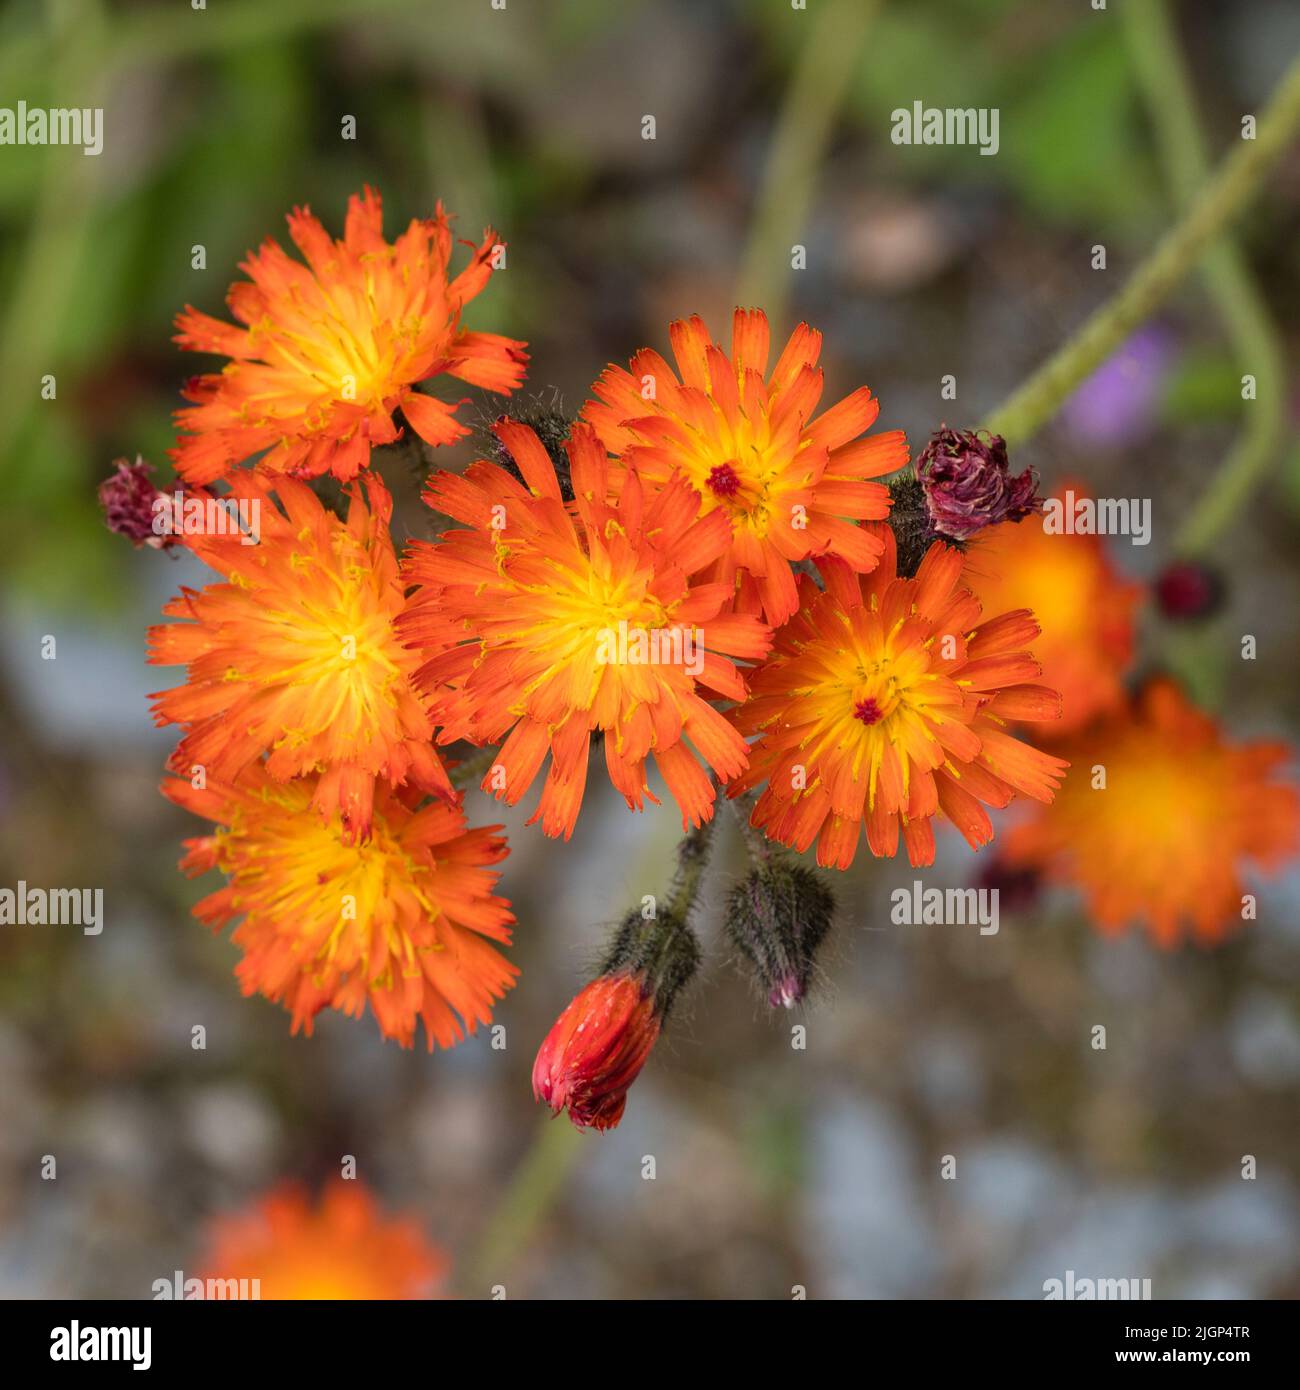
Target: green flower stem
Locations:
point(536, 1184)
point(1235, 182)
point(472, 770)
point(758, 845)
point(822, 74)
point(692, 859)
point(1171, 102)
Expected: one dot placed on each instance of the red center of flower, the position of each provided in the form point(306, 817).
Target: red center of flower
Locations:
point(867, 711)
point(724, 480)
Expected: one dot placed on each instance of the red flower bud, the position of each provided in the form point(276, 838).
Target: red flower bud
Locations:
point(596, 1050)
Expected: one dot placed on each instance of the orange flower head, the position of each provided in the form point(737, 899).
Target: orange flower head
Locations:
point(404, 921)
point(546, 622)
point(1084, 607)
point(329, 350)
point(596, 1050)
point(883, 704)
point(1182, 812)
point(790, 486)
point(341, 1247)
point(295, 656)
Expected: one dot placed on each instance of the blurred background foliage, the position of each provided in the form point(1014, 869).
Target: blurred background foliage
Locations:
point(772, 128)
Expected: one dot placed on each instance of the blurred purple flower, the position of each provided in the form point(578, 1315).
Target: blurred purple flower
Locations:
point(1117, 403)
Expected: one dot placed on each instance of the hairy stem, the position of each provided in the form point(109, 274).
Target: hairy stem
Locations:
point(1171, 102)
point(1232, 186)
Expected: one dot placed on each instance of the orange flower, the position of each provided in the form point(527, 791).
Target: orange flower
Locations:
point(404, 921)
point(331, 348)
point(1085, 609)
point(751, 449)
point(884, 703)
point(342, 1247)
point(546, 622)
point(296, 655)
point(1182, 811)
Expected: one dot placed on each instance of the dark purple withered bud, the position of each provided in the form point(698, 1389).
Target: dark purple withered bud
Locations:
point(969, 486)
point(1187, 590)
point(128, 501)
point(778, 915)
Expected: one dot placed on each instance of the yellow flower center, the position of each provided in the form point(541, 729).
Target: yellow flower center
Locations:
point(736, 467)
point(586, 619)
point(870, 690)
point(296, 868)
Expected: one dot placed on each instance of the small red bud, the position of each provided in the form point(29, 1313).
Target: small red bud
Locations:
point(1188, 589)
point(596, 1050)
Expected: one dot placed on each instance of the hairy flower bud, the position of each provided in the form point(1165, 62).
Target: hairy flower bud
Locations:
point(128, 502)
point(546, 418)
point(778, 916)
point(599, 1044)
point(968, 484)
point(909, 520)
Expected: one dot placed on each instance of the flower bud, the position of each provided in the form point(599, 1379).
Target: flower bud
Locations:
point(546, 418)
point(127, 499)
point(778, 916)
point(596, 1051)
point(599, 1044)
point(1187, 590)
point(968, 484)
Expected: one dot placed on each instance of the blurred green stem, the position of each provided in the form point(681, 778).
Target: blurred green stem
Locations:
point(470, 771)
point(1234, 183)
point(536, 1184)
point(548, 1160)
point(821, 77)
point(1171, 102)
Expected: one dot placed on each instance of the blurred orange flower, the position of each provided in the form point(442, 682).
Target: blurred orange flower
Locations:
point(546, 622)
point(1087, 612)
point(341, 1247)
point(295, 656)
point(1182, 811)
point(404, 921)
point(747, 443)
point(883, 705)
point(329, 350)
